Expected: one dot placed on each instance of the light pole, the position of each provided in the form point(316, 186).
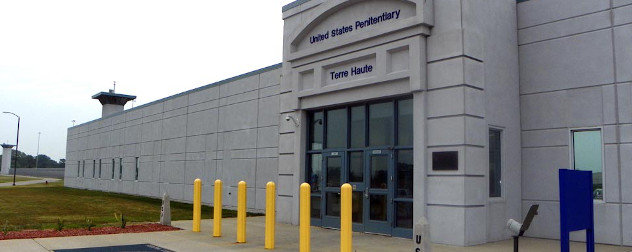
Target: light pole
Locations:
point(17, 140)
point(37, 156)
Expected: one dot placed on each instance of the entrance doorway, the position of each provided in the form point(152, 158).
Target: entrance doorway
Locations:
point(370, 147)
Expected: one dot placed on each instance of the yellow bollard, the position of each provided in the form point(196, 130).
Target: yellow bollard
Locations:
point(305, 221)
point(345, 218)
point(217, 209)
point(197, 204)
point(241, 212)
point(270, 214)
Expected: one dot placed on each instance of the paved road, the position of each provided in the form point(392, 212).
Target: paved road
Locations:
point(286, 240)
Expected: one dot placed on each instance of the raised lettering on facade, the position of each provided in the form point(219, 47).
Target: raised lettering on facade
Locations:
point(357, 25)
point(352, 72)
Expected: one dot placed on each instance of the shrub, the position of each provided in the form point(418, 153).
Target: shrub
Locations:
point(123, 221)
point(60, 224)
point(89, 224)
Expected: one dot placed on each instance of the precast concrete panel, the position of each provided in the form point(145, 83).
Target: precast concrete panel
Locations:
point(617, 3)
point(611, 177)
point(267, 170)
point(585, 107)
point(537, 12)
point(570, 62)
point(623, 54)
point(447, 224)
point(539, 169)
point(565, 27)
point(543, 111)
point(627, 224)
point(626, 174)
point(545, 138)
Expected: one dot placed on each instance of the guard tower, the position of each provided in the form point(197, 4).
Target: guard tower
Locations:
point(112, 102)
point(6, 158)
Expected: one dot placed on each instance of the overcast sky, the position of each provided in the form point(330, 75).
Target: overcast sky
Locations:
point(54, 55)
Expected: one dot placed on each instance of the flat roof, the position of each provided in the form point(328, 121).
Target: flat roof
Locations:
point(103, 94)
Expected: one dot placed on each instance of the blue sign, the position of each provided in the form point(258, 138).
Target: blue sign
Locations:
point(576, 207)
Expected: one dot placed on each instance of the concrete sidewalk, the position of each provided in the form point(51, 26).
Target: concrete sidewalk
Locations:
point(286, 240)
point(30, 182)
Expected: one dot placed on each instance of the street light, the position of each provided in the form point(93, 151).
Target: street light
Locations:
point(17, 139)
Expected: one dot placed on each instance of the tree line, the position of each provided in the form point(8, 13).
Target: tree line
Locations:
point(28, 161)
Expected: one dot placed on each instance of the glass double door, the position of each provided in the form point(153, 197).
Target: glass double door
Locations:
point(370, 173)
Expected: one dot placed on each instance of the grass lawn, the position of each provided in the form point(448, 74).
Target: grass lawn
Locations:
point(41, 206)
point(5, 179)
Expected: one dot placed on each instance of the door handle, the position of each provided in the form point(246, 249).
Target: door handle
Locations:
point(366, 193)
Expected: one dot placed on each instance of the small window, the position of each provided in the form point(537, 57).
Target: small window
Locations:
point(120, 168)
point(78, 166)
point(445, 161)
point(495, 163)
point(83, 169)
point(113, 168)
point(94, 167)
point(100, 164)
point(136, 174)
point(587, 156)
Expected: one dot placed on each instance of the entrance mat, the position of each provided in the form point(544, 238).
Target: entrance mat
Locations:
point(124, 248)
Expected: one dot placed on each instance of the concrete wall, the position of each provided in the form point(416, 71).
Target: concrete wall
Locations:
point(575, 62)
point(41, 172)
point(227, 130)
point(472, 87)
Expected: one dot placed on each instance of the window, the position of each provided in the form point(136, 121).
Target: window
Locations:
point(120, 168)
point(404, 174)
point(357, 129)
point(381, 124)
point(78, 166)
point(495, 163)
point(587, 156)
point(94, 167)
point(83, 169)
point(316, 131)
point(100, 168)
point(113, 168)
point(137, 164)
point(405, 122)
point(337, 128)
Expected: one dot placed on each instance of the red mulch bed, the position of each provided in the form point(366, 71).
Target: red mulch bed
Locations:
point(139, 228)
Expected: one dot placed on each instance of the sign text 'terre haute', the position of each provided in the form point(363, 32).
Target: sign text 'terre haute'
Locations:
point(353, 71)
point(386, 16)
